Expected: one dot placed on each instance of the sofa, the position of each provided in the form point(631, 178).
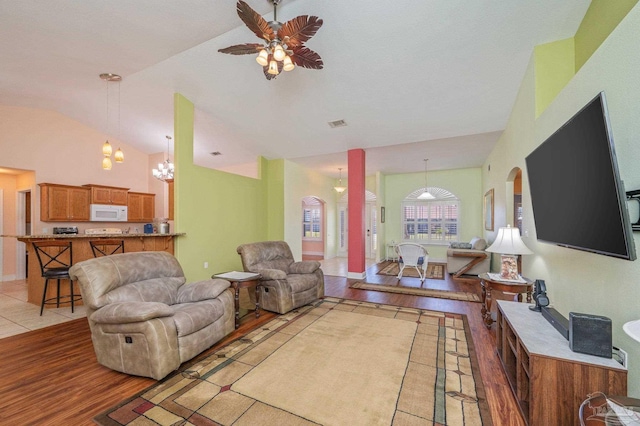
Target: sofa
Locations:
point(468, 258)
point(285, 284)
point(144, 319)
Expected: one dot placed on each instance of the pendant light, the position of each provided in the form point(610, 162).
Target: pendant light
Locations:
point(107, 150)
point(426, 195)
point(340, 189)
point(165, 170)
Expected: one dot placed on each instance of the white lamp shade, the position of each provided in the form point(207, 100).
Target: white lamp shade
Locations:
point(279, 53)
point(106, 163)
point(119, 156)
point(508, 241)
point(426, 195)
point(263, 58)
point(288, 64)
point(632, 328)
point(273, 68)
point(106, 149)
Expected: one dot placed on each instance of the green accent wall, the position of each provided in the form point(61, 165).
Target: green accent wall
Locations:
point(600, 20)
point(217, 210)
point(554, 67)
point(557, 62)
point(466, 184)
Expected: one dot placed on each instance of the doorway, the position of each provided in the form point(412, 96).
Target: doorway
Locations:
point(371, 226)
point(313, 228)
point(514, 198)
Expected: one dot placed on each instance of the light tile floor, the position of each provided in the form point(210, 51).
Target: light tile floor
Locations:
point(18, 316)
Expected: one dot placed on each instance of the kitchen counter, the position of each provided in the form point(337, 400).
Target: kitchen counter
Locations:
point(82, 251)
point(29, 238)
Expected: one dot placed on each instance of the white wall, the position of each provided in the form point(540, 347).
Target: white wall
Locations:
point(579, 281)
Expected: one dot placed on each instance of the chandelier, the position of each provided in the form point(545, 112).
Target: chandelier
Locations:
point(340, 189)
point(283, 46)
point(164, 172)
point(106, 147)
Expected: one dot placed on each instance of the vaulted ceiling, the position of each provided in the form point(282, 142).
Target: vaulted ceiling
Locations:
point(412, 79)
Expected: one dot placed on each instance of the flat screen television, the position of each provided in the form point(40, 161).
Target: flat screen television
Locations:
point(577, 196)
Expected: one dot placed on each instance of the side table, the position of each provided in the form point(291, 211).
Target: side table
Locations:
point(488, 284)
point(240, 280)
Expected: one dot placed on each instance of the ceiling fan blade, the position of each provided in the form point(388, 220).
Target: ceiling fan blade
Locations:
point(306, 58)
point(254, 21)
point(242, 49)
point(299, 29)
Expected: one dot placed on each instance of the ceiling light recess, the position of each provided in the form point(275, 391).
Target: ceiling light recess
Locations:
point(337, 123)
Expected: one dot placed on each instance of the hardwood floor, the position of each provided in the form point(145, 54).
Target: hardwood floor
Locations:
point(50, 376)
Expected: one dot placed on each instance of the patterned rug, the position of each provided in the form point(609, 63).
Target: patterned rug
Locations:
point(337, 362)
point(435, 271)
point(417, 291)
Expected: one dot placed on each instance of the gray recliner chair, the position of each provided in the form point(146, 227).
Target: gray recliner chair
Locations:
point(285, 283)
point(144, 319)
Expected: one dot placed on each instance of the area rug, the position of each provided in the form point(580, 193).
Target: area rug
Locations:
point(338, 362)
point(417, 291)
point(435, 271)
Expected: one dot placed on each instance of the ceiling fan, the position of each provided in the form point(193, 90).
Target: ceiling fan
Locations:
point(283, 43)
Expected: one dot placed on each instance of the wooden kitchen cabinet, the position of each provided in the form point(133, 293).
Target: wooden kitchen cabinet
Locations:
point(108, 195)
point(141, 207)
point(64, 203)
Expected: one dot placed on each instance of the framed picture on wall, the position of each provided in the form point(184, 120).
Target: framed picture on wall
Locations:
point(488, 210)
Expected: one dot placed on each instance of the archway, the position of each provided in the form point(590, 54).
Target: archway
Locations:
point(514, 198)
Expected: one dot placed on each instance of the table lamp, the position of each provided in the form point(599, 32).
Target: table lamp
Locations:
point(509, 244)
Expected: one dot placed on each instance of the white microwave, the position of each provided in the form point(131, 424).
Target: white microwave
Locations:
point(108, 213)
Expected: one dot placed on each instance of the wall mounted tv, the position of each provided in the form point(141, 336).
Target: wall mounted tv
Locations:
point(577, 196)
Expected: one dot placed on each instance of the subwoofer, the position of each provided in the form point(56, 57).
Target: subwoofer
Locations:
point(590, 334)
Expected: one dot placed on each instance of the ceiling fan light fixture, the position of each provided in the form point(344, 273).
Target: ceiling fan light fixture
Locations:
point(273, 68)
point(288, 64)
point(263, 58)
point(279, 53)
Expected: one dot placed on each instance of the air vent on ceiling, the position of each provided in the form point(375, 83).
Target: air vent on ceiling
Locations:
point(337, 123)
point(215, 153)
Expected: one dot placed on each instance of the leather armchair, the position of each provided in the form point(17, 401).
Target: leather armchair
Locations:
point(285, 283)
point(144, 319)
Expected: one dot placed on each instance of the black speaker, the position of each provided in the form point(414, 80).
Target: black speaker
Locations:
point(590, 334)
point(557, 320)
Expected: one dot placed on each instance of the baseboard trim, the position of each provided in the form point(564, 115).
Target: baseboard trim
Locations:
point(313, 253)
point(9, 277)
point(357, 275)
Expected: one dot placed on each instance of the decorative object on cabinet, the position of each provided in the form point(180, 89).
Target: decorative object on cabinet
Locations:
point(426, 195)
point(284, 43)
point(340, 189)
point(106, 147)
point(165, 170)
point(488, 210)
point(55, 259)
point(509, 244)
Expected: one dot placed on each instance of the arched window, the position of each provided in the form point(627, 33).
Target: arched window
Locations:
point(430, 221)
point(311, 218)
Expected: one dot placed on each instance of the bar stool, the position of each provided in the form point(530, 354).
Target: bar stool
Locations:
point(106, 247)
point(55, 258)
